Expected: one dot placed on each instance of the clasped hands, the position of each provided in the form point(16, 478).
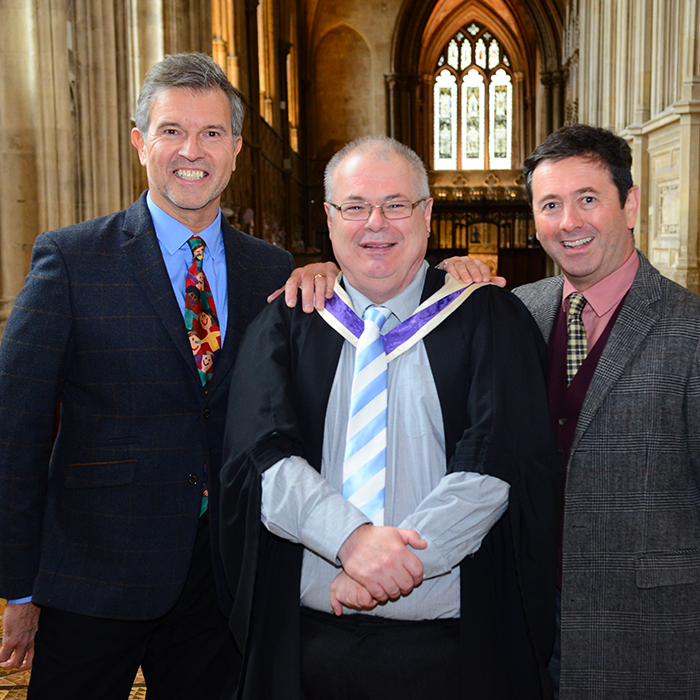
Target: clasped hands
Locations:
point(377, 566)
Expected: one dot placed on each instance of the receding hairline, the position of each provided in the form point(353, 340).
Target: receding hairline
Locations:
point(380, 148)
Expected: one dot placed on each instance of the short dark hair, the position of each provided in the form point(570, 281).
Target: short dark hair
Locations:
point(599, 145)
point(193, 71)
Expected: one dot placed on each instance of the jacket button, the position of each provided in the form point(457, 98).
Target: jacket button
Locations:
point(193, 479)
point(207, 413)
point(562, 421)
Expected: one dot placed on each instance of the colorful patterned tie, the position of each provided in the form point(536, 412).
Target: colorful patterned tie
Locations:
point(200, 314)
point(364, 467)
point(576, 348)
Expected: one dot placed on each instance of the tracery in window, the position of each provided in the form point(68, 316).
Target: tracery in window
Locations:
point(472, 101)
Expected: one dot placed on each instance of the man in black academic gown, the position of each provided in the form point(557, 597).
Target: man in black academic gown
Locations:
point(445, 586)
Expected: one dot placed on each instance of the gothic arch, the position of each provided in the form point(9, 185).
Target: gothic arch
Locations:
point(338, 82)
point(531, 33)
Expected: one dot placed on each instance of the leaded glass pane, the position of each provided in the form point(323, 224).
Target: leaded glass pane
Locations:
point(493, 54)
point(506, 61)
point(473, 29)
point(452, 56)
point(487, 35)
point(466, 55)
point(501, 95)
point(445, 134)
point(441, 61)
point(480, 58)
point(459, 36)
point(473, 121)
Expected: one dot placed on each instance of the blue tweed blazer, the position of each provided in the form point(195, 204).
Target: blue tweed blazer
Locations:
point(103, 520)
point(631, 558)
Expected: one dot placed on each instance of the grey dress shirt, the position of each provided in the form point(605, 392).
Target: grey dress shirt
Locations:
point(451, 512)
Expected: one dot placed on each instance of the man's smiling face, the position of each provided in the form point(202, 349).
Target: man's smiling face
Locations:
point(379, 256)
point(579, 220)
point(189, 153)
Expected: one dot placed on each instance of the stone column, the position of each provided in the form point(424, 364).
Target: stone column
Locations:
point(520, 117)
point(558, 81)
point(544, 107)
point(392, 104)
point(687, 269)
point(640, 177)
point(37, 178)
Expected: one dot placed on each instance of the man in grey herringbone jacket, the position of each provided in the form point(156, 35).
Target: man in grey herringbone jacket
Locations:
point(630, 424)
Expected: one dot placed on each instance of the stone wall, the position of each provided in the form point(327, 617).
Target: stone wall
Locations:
point(634, 67)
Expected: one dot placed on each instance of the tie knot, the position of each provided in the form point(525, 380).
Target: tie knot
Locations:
point(576, 303)
point(378, 315)
point(197, 246)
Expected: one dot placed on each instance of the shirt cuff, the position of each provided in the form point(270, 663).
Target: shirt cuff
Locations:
point(20, 601)
point(299, 505)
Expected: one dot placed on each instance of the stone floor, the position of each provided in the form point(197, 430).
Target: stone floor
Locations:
point(13, 684)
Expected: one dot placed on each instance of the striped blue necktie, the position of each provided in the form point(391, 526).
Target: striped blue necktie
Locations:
point(364, 467)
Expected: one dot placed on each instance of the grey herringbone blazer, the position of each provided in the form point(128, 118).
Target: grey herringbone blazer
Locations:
point(631, 558)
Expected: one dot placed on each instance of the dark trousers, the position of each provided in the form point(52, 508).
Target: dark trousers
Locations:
point(361, 657)
point(188, 654)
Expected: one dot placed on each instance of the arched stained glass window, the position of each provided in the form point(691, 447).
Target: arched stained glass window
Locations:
point(445, 98)
point(473, 121)
point(473, 103)
point(500, 99)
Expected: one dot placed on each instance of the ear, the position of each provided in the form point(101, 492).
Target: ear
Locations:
point(139, 144)
point(237, 145)
point(428, 213)
point(329, 217)
point(632, 206)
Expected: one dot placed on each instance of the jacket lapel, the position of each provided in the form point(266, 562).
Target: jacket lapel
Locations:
point(634, 323)
point(143, 253)
point(544, 308)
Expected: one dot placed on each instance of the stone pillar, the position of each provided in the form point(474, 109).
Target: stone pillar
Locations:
point(640, 177)
point(687, 269)
point(392, 104)
point(558, 81)
point(224, 39)
point(251, 18)
point(37, 178)
point(101, 104)
point(187, 25)
point(521, 116)
point(544, 107)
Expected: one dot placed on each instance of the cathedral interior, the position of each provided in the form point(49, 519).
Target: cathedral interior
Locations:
point(471, 86)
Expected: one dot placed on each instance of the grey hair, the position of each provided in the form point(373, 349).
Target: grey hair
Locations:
point(194, 71)
point(382, 147)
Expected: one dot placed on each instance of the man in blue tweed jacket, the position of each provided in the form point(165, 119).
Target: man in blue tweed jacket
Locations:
point(101, 529)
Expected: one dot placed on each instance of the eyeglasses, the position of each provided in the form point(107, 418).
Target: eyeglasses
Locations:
point(361, 211)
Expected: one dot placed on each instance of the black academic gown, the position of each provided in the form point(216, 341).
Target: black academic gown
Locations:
point(488, 361)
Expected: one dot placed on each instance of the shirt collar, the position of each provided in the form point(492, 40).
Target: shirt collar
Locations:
point(608, 293)
point(401, 306)
point(173, 235)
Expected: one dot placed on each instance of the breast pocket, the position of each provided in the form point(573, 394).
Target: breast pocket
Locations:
point(97, 474)
point(667, 568)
